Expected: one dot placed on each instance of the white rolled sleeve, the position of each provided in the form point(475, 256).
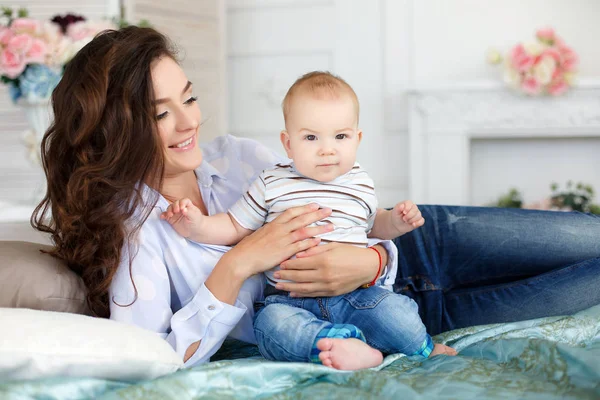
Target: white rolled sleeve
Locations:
point(207, 319)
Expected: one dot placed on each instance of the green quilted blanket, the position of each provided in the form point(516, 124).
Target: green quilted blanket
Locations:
point(547, 358)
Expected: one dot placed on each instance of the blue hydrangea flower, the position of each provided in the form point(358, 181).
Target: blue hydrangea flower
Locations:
point(38, 81)
point(15, 92)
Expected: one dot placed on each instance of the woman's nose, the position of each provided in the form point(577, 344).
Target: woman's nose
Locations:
point(186, 121)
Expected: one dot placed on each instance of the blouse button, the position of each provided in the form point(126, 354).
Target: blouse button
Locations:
point(211, 307)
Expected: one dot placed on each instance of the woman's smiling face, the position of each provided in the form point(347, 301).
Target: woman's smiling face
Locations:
point(178, 117)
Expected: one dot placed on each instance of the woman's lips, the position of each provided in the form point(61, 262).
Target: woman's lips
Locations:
point(187, 146)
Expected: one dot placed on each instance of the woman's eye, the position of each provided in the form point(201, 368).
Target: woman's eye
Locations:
point(341, 136)
point(311, 137)
point(191, 100)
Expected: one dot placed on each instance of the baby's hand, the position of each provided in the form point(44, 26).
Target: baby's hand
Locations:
point(406, 217)
point(184, 217)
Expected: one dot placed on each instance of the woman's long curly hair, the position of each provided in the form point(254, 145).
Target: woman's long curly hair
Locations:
point(102, 145)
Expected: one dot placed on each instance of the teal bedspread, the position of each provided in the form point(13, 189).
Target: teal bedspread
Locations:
point(547, 358)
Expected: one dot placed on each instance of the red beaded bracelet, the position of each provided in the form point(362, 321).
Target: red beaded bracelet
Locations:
point(368, 285)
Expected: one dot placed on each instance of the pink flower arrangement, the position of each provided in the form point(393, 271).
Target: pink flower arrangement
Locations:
point(21, 43)
point(545, 66)
point(48, 45)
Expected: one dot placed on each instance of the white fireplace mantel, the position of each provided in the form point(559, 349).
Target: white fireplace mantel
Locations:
point(444, 120)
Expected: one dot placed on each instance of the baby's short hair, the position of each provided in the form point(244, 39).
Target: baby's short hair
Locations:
point(320, 84)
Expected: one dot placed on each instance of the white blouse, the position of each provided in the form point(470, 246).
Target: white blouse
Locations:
point(169, 271)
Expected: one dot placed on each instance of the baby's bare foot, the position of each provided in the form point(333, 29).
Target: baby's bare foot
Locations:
point(442, 349)
point(348, 354)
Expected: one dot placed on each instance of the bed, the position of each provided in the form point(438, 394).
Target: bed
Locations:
point(547, 358)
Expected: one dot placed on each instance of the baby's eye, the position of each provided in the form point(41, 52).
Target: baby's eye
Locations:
point(341, 136)
point(311, 137)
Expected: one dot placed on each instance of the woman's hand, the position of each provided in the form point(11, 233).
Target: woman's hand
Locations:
point(330, 270)
point(280, 239)
point(273, 243)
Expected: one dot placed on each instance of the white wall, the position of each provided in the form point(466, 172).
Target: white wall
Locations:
point(449, 41)
point(272, 43)
point(451, 37)
point(419, 43)
point(507, 161)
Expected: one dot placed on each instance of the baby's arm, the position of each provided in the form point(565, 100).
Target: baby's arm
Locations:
point(403, 218)
point(189, 222)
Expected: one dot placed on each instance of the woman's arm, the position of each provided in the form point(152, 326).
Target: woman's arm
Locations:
point(336, 268)
point(203, 317)
point(270, 245)
point(285, 236)
point(198, 329)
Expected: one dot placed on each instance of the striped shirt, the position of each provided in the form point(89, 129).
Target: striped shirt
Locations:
point(351, 198)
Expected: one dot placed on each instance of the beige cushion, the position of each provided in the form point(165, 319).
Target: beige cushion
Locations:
point(32, 279)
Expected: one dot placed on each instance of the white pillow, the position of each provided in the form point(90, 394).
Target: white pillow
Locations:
point(40, 344)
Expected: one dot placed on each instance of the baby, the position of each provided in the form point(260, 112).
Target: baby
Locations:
point(321, 138)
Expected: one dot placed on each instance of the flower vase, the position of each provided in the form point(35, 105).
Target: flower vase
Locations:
point(39, 116)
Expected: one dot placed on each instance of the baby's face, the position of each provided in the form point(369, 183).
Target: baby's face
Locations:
point(322, 136)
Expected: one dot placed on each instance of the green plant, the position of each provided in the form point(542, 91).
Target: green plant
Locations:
point(513, 199)
point(576, 197)
point(122, 23)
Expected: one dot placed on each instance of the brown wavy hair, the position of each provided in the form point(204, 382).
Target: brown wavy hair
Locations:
point(102, 144)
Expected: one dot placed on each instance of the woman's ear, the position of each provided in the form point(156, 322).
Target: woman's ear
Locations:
point(285, 141)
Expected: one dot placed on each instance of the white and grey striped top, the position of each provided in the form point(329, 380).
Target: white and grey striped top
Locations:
point(350, 196)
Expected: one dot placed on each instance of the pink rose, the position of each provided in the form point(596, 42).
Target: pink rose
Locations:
point(26, 25)
point(520, 60)
point(530, 85)
point(79, 30)
point(557, 73)
point(552, 52)
point(569, 58)
point(11, 64)
point(37, 52)
point(558, 87)
point(20, 43)
point(5, 35)
point(87, 29)
point(546, 35)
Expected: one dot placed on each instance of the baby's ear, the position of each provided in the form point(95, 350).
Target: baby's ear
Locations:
point(359, 134)
point(285, 141)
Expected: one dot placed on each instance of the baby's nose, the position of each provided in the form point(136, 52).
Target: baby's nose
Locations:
point(327, 150)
